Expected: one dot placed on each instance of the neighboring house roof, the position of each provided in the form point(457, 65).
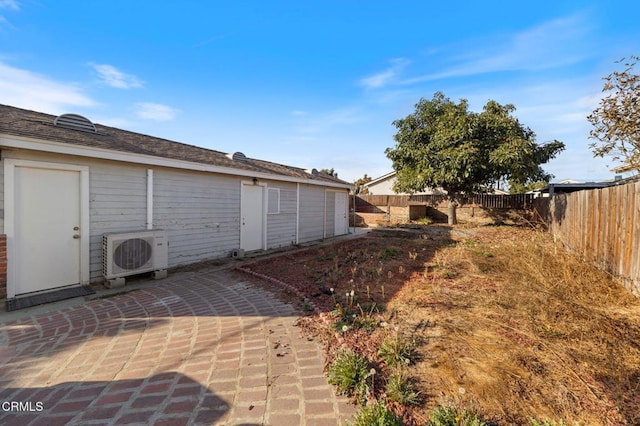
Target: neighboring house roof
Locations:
point(40, 126)
point(569, 185)
point(383, 185)
point(392, 176)
point(554, 188)
point(380, 179)
point(569, 181)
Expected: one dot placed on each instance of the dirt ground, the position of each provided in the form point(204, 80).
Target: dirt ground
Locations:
point(506, 323)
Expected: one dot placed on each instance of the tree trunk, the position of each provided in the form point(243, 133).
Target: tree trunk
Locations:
point(453, 219)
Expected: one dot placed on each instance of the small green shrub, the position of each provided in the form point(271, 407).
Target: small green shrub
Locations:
point(306, 307)
point(345, 315)
point(322, 257)
point(400, 389)
point(397, 350)
point(367, 319)
point(389, 253)
point(449, 416)
point(349, 373)
point(366, 322)
point(483, 253)
point(355, 315)
point(447, 273)
point(376, 415)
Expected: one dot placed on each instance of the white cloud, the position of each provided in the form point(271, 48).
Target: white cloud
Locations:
point(3, 21)
point(548, 45)
point(113, 77)
point(551, 44)
point(156, 112)
point(553, 108)
point(210, 40)
point(9, 4)
point(298, 113)
point(340, 116)
point(319, 124)
point(29, 90)
point(385, 77)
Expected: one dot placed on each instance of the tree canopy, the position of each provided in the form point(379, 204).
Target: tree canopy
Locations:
point(616, 120)
point(331, 172)
point(359, 184)
point(518, 188)
point(443, 144)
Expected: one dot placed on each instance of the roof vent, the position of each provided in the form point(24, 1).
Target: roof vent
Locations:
point(75, 122)
point(314, 172)
point(237, 156)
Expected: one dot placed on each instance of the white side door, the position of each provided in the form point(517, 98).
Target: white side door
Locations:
point(252, 217)
point(340, 221)
point(45, 227)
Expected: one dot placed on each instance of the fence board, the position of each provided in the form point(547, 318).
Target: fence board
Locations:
point(491, 201)
point(603, 226)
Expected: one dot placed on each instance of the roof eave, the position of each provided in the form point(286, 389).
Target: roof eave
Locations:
point(380, 179)
point(19, 142)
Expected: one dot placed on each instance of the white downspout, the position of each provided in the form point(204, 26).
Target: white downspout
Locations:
point(149, 199)
point(297, 213)
point(324, 216)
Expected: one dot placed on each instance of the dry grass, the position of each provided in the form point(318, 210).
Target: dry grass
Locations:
point(506, 325)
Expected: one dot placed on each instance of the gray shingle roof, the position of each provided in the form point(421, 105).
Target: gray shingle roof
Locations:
point(20, 122)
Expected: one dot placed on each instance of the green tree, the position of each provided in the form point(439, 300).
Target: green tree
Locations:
point(443, 144)
point(616, 120)
point(359, 184)
point(518, 188)
point(331, 172)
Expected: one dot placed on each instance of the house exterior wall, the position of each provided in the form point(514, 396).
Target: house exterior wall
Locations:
point(3, 266)
point(2, 153)
point(3, 237)
point(281, 226)
point(385, 187)
point(200, 211)
point(330, 213)
point(311, 215)
point(117, 203)
point(117, 198)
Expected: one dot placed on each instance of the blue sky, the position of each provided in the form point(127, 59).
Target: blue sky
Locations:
point(317, 83)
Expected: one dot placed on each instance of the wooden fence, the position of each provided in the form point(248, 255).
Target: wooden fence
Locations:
point(491, 201)
point(602, 226)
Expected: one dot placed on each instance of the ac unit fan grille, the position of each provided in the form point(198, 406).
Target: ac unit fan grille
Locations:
point(132, 254)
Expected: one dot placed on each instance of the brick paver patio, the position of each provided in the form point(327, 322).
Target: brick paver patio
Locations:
point(199, 347)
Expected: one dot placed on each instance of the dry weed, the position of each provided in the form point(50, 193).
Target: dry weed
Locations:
point(524, 332)
point(510, 326)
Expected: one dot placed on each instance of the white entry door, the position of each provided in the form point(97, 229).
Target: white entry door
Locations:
point(252, 218)
point(340, 222)
point(46, 237)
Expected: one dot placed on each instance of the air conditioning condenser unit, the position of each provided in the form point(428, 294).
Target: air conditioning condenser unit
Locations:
point(131, 253)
